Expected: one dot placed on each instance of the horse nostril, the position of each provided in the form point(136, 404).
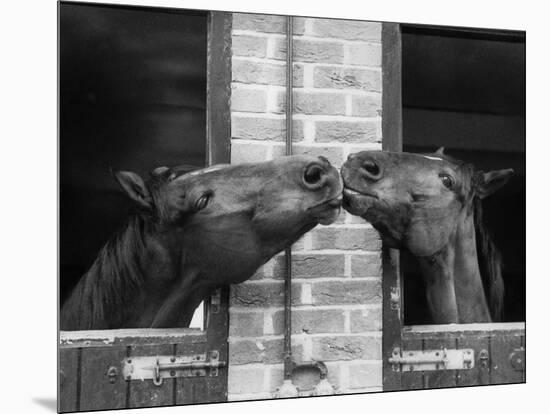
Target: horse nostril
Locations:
point(371, 169)
point(313, 174)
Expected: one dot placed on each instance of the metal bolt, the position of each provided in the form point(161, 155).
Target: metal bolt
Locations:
point(129, 361)
point(173, 359)
point(172, 373)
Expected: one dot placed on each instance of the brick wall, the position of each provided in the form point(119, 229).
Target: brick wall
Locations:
point(336, 281)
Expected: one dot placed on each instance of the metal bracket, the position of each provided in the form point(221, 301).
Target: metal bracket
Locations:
point(167, 366)
point(395, 298)
point(432, 360)
point(517, 359)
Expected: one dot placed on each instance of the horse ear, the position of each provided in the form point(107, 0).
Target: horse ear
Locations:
point(439, 151)
point(134, 187)
point(488, 183)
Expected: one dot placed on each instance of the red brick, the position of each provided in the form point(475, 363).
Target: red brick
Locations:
point(248, 100)
point(348, 29)
point(276, 377)
point(311, 321)
point(366, 265)
point(312, 103)
point(264, 73)
point(366, 320)
point(347, 131)
point(347, 78)
point(366, 105)
point(262, 294)
point(367, 146)
point(254, 46)
point(321, 103)
point(298, 25)
point(366, 54)
point(259, 22)
point(264, 129)
point(346, 238)
point(247, 152)
point(266, 351)
point(333, 154)
point(244, 380)
point(311, 265)
point(346, 292)
point(311, 51)
point(246, 324)
point(346, 348)
point(365, 375)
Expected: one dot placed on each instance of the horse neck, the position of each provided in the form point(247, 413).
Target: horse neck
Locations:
point(108, 293)
point(454, 286)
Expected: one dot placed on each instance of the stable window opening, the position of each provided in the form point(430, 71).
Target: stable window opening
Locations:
point(133, 97)
point(464, 90)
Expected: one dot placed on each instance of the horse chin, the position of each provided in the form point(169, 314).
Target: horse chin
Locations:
point(357, 203)
point(329, 216)
point(327, 212)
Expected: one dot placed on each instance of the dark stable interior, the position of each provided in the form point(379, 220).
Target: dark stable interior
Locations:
point(132, 97)
point(466, 91)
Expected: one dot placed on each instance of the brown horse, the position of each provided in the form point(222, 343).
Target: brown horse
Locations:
point(195, 232)
point(430, 205)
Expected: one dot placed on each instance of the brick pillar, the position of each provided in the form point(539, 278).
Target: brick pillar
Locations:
point(336, 281)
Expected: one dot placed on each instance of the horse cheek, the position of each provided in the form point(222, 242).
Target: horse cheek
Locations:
point(425, 240)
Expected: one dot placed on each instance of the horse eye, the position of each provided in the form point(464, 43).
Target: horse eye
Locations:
point(447, 181)
point(202, 202)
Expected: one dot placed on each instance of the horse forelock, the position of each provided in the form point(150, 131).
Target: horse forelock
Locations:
point(490, 263)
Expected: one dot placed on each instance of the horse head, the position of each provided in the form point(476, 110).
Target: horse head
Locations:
point(230, 219)
point(425, 204)
point(196, 231)
point(415, 201)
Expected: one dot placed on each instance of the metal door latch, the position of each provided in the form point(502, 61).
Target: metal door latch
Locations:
point(432, 360)
point(168, 366)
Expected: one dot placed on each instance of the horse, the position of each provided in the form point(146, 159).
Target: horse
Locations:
point(196, 231)
point(430, 205)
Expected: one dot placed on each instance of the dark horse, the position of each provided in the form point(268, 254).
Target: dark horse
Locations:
point(195, 232)
point(430, 205)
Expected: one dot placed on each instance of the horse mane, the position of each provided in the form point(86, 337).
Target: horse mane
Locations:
point(490, 264)
point(99, 299)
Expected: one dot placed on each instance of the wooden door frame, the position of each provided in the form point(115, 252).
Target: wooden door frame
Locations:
point(218, 151)
point(395, 334)
point(392, 140)
point(218, 139)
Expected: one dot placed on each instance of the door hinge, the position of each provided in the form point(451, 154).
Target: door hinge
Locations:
point(171, 366)
point(432, 360)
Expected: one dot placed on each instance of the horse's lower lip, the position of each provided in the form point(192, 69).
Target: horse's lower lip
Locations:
point(336, 201)
point(351, 192)
point(333, 203)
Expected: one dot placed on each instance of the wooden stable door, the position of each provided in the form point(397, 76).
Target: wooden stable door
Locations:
point(417, 356)
point(481, 353)
point(131, 368)
point(135, 94)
